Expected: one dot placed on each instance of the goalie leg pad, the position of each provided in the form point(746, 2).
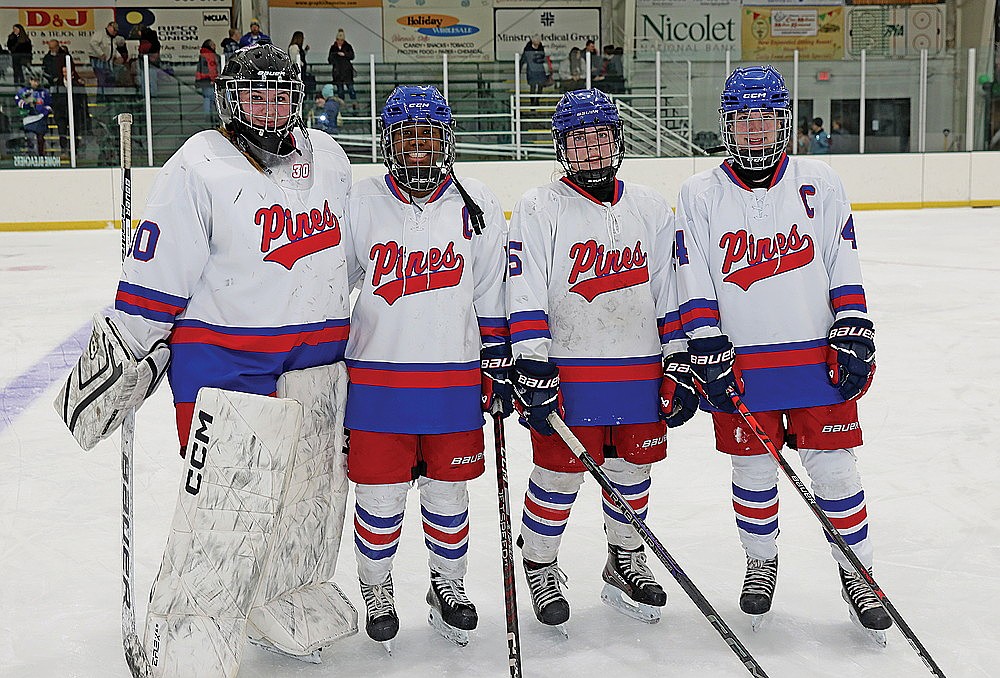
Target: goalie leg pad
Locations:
point(222, 533)
point(298, 609)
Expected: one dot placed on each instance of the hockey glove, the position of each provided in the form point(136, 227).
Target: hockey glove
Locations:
point(536, 393)
point(713, 361)
point(851, 356)
point(498, 393)
point(678, 397)
point(106, 383)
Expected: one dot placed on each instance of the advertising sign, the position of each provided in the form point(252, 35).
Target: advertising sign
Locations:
point(560, 28)
point(895, 31)
point(71, 26)
point(696, 32)
point(423, 30)
point(774, 34)
point(181, 31)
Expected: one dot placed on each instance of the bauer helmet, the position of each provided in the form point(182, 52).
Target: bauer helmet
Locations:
point(755, 117)
point(588, 136)
point(259, 95)
point(418, 137)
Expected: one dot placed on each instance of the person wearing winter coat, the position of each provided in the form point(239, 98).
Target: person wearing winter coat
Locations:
point(19, 45)
point(537, 67)
point(205, 76)
point(340, 57)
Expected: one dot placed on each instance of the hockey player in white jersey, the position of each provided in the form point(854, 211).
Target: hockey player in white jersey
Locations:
point(767, 264)
point(428, 256)
point(591, 319)
point(238, 278)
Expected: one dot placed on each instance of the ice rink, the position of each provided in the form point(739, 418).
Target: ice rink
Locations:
point(931, 466)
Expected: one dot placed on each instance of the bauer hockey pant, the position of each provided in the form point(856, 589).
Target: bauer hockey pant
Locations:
point(550, 497)
point(836, 484)
point(378, 523)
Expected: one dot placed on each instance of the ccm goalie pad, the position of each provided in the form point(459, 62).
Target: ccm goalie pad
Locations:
point(106, 383)
point(298, 609)
point(220, 542)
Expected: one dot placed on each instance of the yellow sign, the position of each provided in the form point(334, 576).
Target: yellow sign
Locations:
point(315, 4)
point(774, 33)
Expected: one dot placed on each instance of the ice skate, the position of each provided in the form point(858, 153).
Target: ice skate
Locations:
point(545, 582)
point(382, 623)
point(630, 586)
point(758, 589)
point(311, 658)
point(865, 609)
point(452, 613)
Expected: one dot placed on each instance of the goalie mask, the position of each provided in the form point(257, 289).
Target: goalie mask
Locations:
point(589, 137)
point(259, 96)
point(418, 137)
point(755, 117)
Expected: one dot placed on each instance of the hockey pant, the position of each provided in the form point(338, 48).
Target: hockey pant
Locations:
point(378, 522)
point(836, 485)
point(256, 532)
point(550, 497)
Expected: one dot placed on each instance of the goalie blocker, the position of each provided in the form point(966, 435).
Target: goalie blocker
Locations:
point(256, 532)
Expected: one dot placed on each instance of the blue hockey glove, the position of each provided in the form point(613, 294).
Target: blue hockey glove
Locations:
point(713, 360)
point(498, 393)
point(678, 397)
point(536, 393)
point(851, 356)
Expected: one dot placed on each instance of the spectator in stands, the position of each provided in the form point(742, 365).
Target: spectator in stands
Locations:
point(205, 76)
point(53, 63)
point(254, 36)
point(101, 53)
point(19, 45)
point(327, 110)
point(122, 66)
point(802, 140)
point(297, 54)
point(340, 57)
point(35, 104)
point(537, 66)
point(595, 59)
point(149, 45)
point(820, 140)
point(231, 44)
point(612, 76)
point(60, 108)
point(571, 71)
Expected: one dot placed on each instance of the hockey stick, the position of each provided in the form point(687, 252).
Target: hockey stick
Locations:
point(832, 532)
point(135, 655)
point(577, 448)
point(507, 550)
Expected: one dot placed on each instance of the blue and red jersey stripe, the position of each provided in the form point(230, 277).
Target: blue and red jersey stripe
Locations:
point(493, 330)
point(525, 325)
point(148, 303)
point(619, 190)
point(848, 298)
point(699, 313)
point(401, 195)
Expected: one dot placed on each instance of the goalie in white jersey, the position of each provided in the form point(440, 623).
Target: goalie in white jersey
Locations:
point(427, 254)
point(767, 263)
point(591, 318)
point(238, 278)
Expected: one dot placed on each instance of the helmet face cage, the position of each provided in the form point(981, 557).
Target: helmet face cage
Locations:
point(755, 117)
point(588, 136)
point(418, 137)
point(266, 106)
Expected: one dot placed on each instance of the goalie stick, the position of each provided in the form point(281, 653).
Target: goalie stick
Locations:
point(507, 550)
point(577, 448)
point(832, 532)
point(135, 655)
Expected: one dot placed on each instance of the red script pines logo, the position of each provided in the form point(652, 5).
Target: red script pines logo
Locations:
point(612, 269)
point(413, 272)
point(307, 232)
point(765, 257)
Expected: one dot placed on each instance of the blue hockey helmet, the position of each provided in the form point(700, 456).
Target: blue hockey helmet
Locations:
point(755, 116)
point(418, 137)
point(596, 158)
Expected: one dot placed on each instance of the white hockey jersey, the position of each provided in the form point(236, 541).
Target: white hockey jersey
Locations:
point(246, 278)
point(431, 294)
point(591, 290)
point(771, 268)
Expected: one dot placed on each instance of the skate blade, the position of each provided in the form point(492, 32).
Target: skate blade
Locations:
point(311, 658)
point(615, 598)
point(458, 636)
point(876, 636)
point(758, 621)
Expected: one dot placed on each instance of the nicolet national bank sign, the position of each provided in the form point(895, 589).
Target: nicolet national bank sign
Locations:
point(688, 30)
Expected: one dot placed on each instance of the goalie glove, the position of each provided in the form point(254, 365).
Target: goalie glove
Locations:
point(713, 361)
point(536, 394)
point(851, 356)
point(678, 397)
point(106, 383)
point(498, 392)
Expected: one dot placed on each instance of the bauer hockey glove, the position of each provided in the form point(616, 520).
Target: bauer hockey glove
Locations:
point(713, 361)
point(498, 393)
point(678, 397)
point(851, 356)
point(536, 393)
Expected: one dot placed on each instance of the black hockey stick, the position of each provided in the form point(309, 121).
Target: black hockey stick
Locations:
point(135, 655)
point(832, 532)
point(696, 596)
point(507, 550)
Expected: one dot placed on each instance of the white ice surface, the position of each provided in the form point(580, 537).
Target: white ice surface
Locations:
point(930, 466)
